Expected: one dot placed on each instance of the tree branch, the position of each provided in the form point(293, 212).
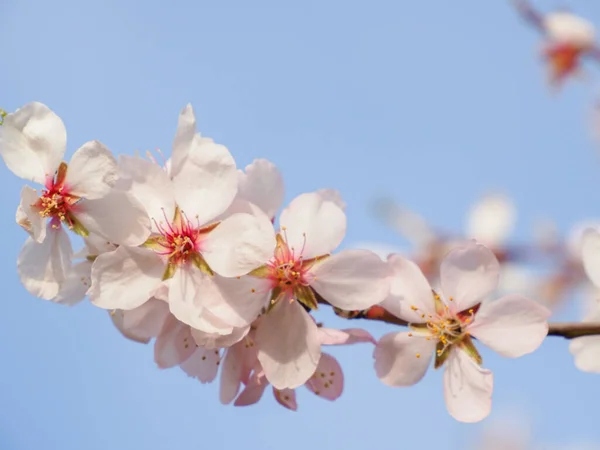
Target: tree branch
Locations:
point(567, 330)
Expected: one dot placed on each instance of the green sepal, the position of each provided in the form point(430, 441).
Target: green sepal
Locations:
point(201, 264)
point(261, 272)
point(169, 271)
point(441, 355)
point(466, 344)
point(155, 243)
point(76, 226)
point(275, 295)
point(306, 296)
point(91, 258)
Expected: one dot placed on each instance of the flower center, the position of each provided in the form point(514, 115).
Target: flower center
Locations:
point(180, 241)
point(287, 270)
point(56, 203)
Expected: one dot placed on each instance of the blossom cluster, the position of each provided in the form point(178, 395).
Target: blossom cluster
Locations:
point(202, 258)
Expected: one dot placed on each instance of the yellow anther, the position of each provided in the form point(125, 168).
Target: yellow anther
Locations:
point(418, 355)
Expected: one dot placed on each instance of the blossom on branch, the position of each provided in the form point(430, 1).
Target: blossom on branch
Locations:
point(443, 324)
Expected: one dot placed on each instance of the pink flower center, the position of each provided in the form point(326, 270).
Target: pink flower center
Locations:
point(287, 270)
point(178, 240)
point(55, 202)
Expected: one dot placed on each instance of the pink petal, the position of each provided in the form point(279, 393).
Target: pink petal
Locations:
point(243, 299)
point(262, 184)
point(591, 255)
point(142, 323)
point(75, 286)
point(150, 185)
point(286, 398)
point(468, 274)
point(207, 183)
point(174, 344)
point(253, 392)
point(352, 279)
point(239, 244)
point(231, 374)
point(92, 171)
point(288, 345)
point(215, 340)
point(43, 267)
point(330, 336)
point(125, 278)
point(512, 326)
point(313, 225)
point(118, 217)
point(467, 388)
point(409, 289)
point(202, 365)
point(328, 379)
point(29, 217)
point(32, 142)
point(401, 359)
point(586, 351)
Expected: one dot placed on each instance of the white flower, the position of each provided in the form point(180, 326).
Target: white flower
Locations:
point(187, 246)
point(78, 195)
point(442, 325)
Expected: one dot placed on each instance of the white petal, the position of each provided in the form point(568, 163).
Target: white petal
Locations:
point(590, 248)
point(409, 289)
point(184, 136)
point(352, 279)
point(213, 340)
point(174, 344)
point(586, 351)
point(92, 171)
point(118, 216)
point(189, 291)
point(207, 183)
point(313, 225)
point(491, 220)
point(564, 27)
point(75, 286)
point(125, 278)
point(467, 388)
point(202, 365)
point(262, 184)
point(239, 244)
point(512, 326)
point(402, 360)
point(331, 336)
point(43, 267)
point(288, 343)
point(243, 299)
point(334, 196)
point(142, 323)
point(150, 185)
point(468, 274)
point(32, 142)
point(31, 217)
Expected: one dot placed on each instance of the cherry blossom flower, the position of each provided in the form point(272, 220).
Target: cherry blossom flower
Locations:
point(302, 264)
point(568, 38)
point(187, 246)
point(586, 350)
point(242, 367)
point(78, 195)
point(442, 325)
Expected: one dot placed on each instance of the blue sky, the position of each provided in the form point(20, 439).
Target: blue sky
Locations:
point(432, 105)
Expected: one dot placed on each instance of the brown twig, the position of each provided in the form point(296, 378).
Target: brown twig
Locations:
point(567, 330)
